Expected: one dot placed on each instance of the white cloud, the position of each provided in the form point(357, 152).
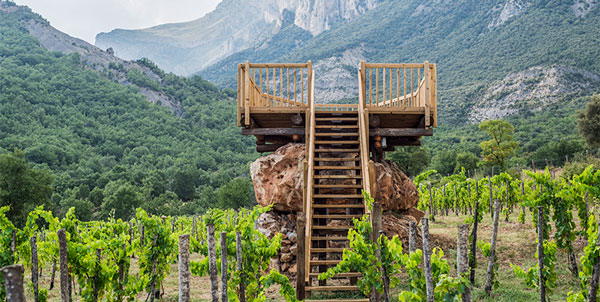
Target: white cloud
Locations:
point(85, 18)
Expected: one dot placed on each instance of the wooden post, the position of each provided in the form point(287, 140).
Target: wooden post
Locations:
point(377, 226)
point(540, 251)
point(301, 257)
point(224, 273)
point(64, 269)
point(53, 274)
point(412, 230)
point(491, 195)
point(427, 260)
point(212, 263)
point(184, 268)
point(490, 268)
point(13, 283)
point(238, 246)
point(431, 203)
point(247, 95)
point(462, 257)
point(34, 267)
point(473, 258)
point(427, 95)
point(593, 292)
point(98, 262)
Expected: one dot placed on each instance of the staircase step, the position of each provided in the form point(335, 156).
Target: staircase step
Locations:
point(336, 238)
point(338, 206)
point(327, 250)
point(334, 118)
point(332, 227)
point(333, 288)
point(337, 186)
point(324, 262)
point(338, 167)
point(340, 275)
point(337, 159)
point(336, 142)
point(341, 216)
point(337, 126)
point(336, 134)
point(338, 177)
point(338, 196)
point(329, 150)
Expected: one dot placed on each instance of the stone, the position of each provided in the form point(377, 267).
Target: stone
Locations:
point(393, 188)
point(398, 224)
point(294, 250)
point(277, 178)
point(286, 257)
point(285, 249)
point(293, 269)
point(285, 267)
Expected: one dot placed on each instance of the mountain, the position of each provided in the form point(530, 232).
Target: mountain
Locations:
point(89, 118)
point(476, 44)
point(235, 25)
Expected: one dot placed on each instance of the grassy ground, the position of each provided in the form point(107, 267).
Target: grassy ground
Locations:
point(516, 245)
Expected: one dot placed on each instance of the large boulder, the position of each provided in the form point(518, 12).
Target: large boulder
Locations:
point(393, 188)
point(277, 178)
point(278, 181)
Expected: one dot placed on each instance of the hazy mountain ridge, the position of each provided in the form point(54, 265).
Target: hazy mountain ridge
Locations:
point(94, 58)
point(235, 25)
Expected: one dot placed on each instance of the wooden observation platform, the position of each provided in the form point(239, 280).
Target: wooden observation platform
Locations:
point(397, 105)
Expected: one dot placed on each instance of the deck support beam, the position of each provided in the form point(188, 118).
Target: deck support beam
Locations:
point(410, 132)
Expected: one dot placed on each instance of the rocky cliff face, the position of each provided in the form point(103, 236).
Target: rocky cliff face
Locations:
point(186, 48)
point(533, 89)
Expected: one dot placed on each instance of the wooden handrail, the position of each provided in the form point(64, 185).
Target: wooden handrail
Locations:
point(311, 162)
point(364, 140)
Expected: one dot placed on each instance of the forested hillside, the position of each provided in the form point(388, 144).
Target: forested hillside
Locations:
point(104, 143)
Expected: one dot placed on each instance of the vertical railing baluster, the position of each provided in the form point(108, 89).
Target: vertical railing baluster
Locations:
point(267, 85)
point(383, 92)
point(302, 85)
point(295, 86)
point(397, 87)
point(391, 89)
point(370, 85)
point(404, 99)
point(377, 86)
point(281, 87)
point(412, 86)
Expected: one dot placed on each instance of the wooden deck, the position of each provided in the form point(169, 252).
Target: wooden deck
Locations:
point(396, 106)
point(400, 101)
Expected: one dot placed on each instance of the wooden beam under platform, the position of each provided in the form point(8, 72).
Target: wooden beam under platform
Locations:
point(268, 147)
point(411, 132)
point(274, 131)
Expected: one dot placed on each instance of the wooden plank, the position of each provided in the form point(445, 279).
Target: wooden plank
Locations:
point(337, 150)
point(341, 196)
point(332, 287)
point(400, 132)
point(333, 118)
point(331, 227)
point(268, 148)
point(341, 216)
point(332, 238)
point(390, 65)
point(337, 168)
point(334, 159)
point(330, 250)
point(278, 65)
point(336, 134)
point(247, 95)
point(273, 131)
point(336, 176)
point(337, 126)
point(337, 206)
point(336, 142)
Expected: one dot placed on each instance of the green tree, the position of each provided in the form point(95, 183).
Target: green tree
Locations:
point(22, 187)
point(235, 194)
point(120, 199)
point(411, 160)
point(501, 146)
point(466, 160)
point(589, 122)
point(444, 162)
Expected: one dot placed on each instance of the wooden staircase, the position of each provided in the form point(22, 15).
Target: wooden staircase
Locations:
point(335, 182)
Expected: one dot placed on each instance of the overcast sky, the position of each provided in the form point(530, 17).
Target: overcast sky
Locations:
point(85, 18)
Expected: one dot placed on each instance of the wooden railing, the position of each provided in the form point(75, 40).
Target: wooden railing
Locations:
point(363, 136)
point(272, 86)
point(400, 87)
point(308, 208)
